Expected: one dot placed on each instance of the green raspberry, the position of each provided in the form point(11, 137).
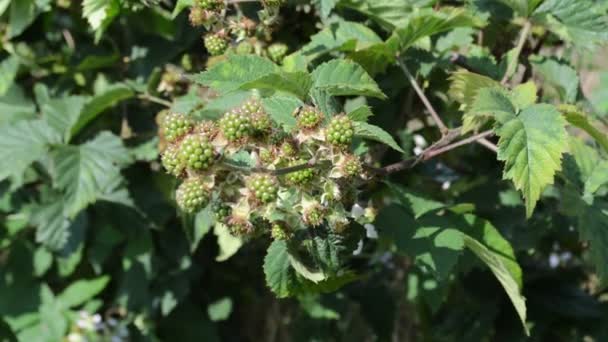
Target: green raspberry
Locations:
point(235, 125)
point(244, 48)
point(340, 131)
point(260, 121)
point(301, 177)
point(352, 167)
point(221, 210)
point(215, 44)
point(175, 125)
point(192, 196)
point(264, 188)
point(280, 232)
point(171, 162)
point(196, 152)
point(309, 118)
point(277, 51)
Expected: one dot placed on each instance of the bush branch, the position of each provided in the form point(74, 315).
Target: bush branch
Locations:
point(523, 36)
point(155, 99)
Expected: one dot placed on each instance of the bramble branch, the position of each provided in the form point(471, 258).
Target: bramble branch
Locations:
point(155, 99)
point(523, 36)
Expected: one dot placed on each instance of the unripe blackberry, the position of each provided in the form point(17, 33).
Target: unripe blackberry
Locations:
point(196, 152)
point(287, 150)
point(260, 121)
point(266, 156)
point(280, 232)
point(235, 125)
point(351, 167)
point(301, 177)
point(309, 118)
point(215, 44)
point(175, 125)
point(313, 215)
point(221, 210)
point(211, 5)
point(239, 226)
point(340, 131)
point(244, 48)
point(198, 16)
point(171, 162)
point(192, 196)
point(264, 188)
point(273, 3)
point(277, 51)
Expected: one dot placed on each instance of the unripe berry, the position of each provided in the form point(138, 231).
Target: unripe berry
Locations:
point(279, 231)
point(198, 16)
point(277, 51)
point(239, 226)
point(313, 215)
point(260, 121)
point(196, 152)
point(221, 210)
point(309, 117)
point(192, 196)
point(351, 166)
point(211, 5)
point(244, 48)
point(215, 43)
point(287, 150)
point(266, 156)
point(340, 131)
point(301, 177)
point(235, 125)
point(263, 188)
point(175, 125)
point(171, 162)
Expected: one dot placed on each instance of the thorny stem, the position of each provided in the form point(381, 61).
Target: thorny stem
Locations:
point(154, 99)
point(276, 172)
point(523, 36)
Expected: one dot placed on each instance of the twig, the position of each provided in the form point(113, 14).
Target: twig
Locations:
point(523, 36)
point(155, 99)
point(442, 127)
point(431, 152)
point(276, 172)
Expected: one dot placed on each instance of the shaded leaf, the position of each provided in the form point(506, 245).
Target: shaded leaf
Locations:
point(342, 77)
point(367, 131)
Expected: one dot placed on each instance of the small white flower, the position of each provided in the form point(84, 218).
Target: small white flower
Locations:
point(446, 185)
point(97, 318)
point(370, 231)
point(418, 150)
point(357, 211)
point(420, 141)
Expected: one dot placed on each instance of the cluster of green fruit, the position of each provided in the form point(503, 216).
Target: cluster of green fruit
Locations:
point(257, 176)
point(248, 36)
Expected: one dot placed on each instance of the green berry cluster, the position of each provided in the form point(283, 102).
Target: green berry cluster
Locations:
point(277, 52)
point(260, 121)
point(263, 188)
point(211, 5)
point(196, 152)
point(191, 195)
point(300, 177)
point(236, 125)
point(171, 162)
point(352, 167)
point(215, 44)
point(175, 125)
point(244, 48)
point(279, 231)
point(221, 210)
point(340, 131)
point(309, 117)
point(314, 216)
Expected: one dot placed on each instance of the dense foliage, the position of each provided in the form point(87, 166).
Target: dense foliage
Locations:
point(290, 170)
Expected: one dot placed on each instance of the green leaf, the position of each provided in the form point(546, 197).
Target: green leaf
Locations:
point(416, 204)
point(367, 131)
point(342, 35)
point(23, 143)
point(579, 119)
point(99, 14)
point(180, 6)
point(497, 266)
point(426, 23)
point(96, 105)
point(228, 243)
point(341, 77)
point(280, 109)
point(531, 145)
point(523, 7)
point(326, 6)
point(465, 86)
point(22, 15)
point(235, 72)
point(55, 230)
point(489, 102)
point(62, 113)
point(387, 13)
point(280, 276)
point(202, 225)
point(16, 106)
point(558, 74)
point(81, 291)
point(220, 310)
point(524, 95)
point(8, 72)
point(360, 114)
point(580, 22)
point(88, 171)
point(297, 83)
point(591, 169)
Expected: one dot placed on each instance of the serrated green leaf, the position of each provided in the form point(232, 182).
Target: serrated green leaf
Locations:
point(580, 22)
point(489, 102)
point(360, 114)
point(88, 171)
point(180, 5)
point(416, 204)
point(591, 170)
point(22, 15)
point(280, 276)
point(523, 7)
point(387, 13)
point(81, 291)
point(531, 145)
point(524, 95)
point(466, 84)
point(228, 243)
point(341, 77)
point(280, 109)
point(426, 23)
point(23, 143)
point(559, 75)
point(497, 266)
point(579, 119)
point(55, 230)
point(328, 104)
point(236, 71)
point(97, 104)
point(99, 14)
point(8, 71)
point(62, 113)
point(367, 131)
point(342, 35)
point(16, 106)
point(326, 6)
point(593, 227)
point(297, 83)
